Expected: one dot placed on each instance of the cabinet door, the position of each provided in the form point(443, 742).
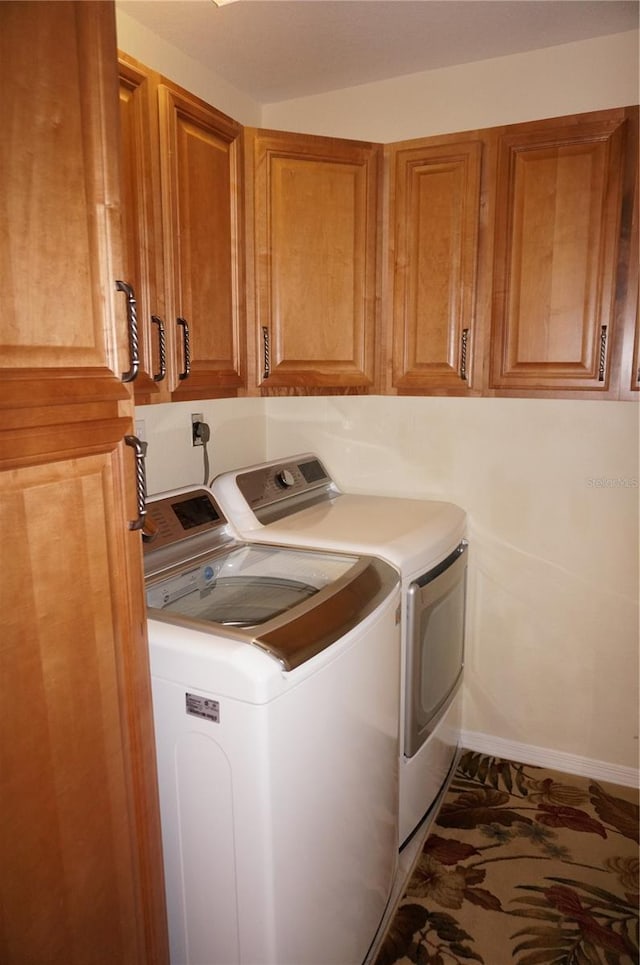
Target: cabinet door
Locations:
point(634, 381)
point(435, 204)
point(76, 754)
point(630, 360)
point(60, 203)
point(316, 212)
point(201, 165)
point(627, 282)
point(142, 223)
point(558, 214)
point(81, 878)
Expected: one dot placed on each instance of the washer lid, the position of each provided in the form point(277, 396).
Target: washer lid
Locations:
point(243, 601)
point(291, 603)
point(246, 585)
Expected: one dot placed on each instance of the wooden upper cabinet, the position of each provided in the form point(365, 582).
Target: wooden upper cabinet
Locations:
point(633, 383)
point(630, 342)
point(627, 300)
point(183, 220)
point(507, 255)
point(561, 191)
point(201, 162)
point(60, 221)
point(316, 208)
point(434, 226)
point(629, 378)
point(142, 223)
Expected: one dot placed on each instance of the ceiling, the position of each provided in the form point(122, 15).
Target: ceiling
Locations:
point(276, 50)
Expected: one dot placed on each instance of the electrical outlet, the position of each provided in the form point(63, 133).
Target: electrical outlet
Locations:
point(140, 430)
point(195, 438)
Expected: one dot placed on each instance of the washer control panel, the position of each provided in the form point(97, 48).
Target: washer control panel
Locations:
point(186, 523)
point(184, 514)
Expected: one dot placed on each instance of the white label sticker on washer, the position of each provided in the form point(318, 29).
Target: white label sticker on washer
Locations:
point(203, 707)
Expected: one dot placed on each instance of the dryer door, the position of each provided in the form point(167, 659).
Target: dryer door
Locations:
point(435, 645)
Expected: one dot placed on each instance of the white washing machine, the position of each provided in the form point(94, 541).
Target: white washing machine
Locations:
point(295, 502)
point(274, 675)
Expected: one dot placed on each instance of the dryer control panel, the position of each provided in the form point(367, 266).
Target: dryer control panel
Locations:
point(280, 489)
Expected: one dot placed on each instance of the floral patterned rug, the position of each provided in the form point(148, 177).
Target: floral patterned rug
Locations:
point(523, 865)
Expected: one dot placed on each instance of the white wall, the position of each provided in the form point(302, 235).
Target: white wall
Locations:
point(570, 78)
point(139, 42)
point(238, 438)
point(551, 490)
point(553, 644)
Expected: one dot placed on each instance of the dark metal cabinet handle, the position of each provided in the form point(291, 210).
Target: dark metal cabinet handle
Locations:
point(162, 349)
point(132, 324)
point(186, 372)
point(603, 353)
point(141, 480)
point(266, 353)
point(464, 340)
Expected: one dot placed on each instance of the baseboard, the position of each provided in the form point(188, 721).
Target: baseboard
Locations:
point(544, 757)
